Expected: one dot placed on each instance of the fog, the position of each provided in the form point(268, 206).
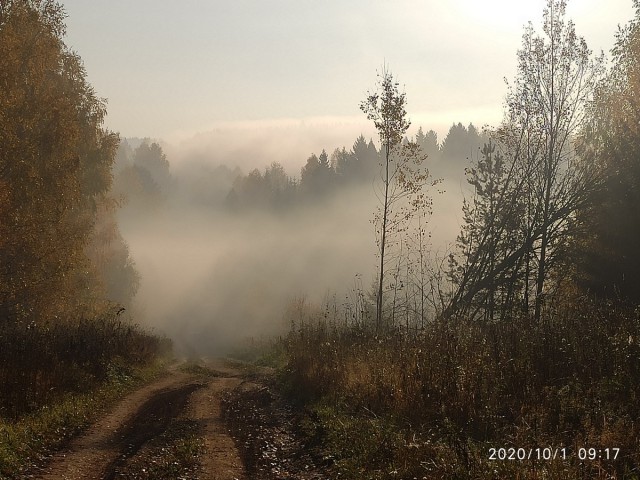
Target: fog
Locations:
point(257, 143)
point(213, 276)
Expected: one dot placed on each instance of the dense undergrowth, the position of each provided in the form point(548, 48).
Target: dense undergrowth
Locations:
point(56, 378)
point(40, 363)
point(432, 403)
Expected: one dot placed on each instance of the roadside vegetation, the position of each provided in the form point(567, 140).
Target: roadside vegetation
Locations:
point(516, 354)
point(66, 277)
point(432, 403)
point(29, 439)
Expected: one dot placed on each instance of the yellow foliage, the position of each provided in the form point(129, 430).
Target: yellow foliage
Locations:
point(55, 163)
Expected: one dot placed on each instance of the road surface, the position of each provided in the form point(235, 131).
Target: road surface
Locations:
point(120, 443)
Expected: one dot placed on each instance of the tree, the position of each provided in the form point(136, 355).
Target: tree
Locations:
point(317, 175)
point(345, 164)
point(273, 189)
point(458, 147)
point(609, 262)
point(55, 163)
point(117, 277)
point(556, 79)
point(252, 187)
point(547, 182)
point(308, 173)
point(489, 235)
point(280, 186)
point(401, 178)
point(429, 144)
point(151, 157)
point(124, 156)
point(365, 159)
point(136, 187)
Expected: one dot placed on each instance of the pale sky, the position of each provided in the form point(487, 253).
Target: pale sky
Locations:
point(172, 69)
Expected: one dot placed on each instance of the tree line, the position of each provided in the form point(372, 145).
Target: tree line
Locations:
point(143, 175)
point(66, 274)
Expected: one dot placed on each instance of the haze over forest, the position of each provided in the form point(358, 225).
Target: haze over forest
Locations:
point(211, 272)
point(222, 252)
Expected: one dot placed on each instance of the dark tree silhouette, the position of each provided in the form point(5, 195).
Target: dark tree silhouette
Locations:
point(610, 257)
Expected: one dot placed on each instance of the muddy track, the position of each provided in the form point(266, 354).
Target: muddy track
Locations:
point(268, 433)
point(119, 445)
point(151, 420)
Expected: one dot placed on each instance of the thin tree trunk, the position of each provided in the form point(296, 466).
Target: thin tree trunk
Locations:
point(548, 182)
point(384, 238)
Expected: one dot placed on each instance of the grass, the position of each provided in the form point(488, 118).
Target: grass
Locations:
point(431, 404)
point(366, 446)
point(195, 368)
point(260, 352)
point(27, 441)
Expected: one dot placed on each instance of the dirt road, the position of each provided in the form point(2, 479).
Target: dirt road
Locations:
point(171, 428)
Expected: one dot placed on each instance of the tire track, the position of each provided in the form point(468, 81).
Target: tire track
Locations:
point(107, 449)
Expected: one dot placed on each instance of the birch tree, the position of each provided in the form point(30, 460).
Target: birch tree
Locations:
point(546, 110)
point(402, 178)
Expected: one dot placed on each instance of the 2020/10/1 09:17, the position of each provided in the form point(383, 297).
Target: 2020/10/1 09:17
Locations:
point(513, 453)
point(550, 453)
point(598, 453)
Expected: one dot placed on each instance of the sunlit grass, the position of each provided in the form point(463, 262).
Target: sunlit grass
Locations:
point(437, 400)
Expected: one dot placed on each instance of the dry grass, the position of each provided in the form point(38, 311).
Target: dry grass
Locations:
point(439, 399)
point(42, 363)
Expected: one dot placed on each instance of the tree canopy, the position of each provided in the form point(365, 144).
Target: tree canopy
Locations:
point(55, 165)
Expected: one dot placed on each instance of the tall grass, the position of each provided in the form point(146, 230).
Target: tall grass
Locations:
point(41, 363)
point(440, 397)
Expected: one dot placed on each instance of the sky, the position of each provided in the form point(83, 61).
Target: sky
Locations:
point(254, 82)
point(171, 70)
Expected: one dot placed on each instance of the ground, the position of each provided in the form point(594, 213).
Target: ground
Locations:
point(152, 432)
point(212, 420)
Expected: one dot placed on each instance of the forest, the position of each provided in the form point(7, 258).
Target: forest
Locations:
point(465, 307)
point(63, 332)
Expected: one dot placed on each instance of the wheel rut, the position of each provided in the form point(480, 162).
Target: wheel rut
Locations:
point(126, 442)
point(151, 420)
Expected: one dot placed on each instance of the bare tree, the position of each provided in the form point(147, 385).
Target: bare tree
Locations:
point(402, 178)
